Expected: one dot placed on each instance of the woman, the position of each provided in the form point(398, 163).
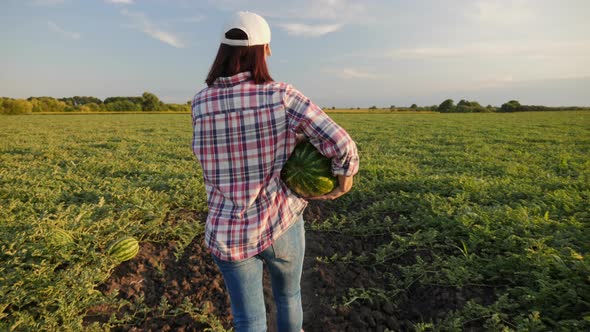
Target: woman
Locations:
point(245, 126)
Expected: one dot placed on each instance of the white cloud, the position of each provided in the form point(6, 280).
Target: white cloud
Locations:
point(68, 34)
point(507, 81)
point(501, 11)
point(352, 73)
point(320, 17)
point(48, 2)
point(308, 30)
point(143, 24)
point(328, 11)
point(192, 19)
point(337, 10)
point(531, 49)
point(124, 2)
point(492, 81)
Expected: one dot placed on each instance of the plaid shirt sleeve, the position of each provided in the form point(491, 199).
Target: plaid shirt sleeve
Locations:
point(327, 136)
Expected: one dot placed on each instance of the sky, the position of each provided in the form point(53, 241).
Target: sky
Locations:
point(339, 53)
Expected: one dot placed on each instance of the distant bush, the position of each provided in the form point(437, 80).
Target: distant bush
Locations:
point(515, 106)
point(123, 106)
point(15, 106)
point(47, 104)
point(91, 107)
point(446, 106)
point(511, 106)
point(77, 101)
point(176, 107)
point(135, 100)
point(466, 106)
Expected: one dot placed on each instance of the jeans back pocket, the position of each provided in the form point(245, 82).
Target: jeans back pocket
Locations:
point(291, 243)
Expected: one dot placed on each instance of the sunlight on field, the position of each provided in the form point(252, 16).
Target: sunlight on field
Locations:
point(489, 212)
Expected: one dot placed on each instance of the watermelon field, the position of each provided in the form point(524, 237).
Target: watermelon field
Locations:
point(456, 222)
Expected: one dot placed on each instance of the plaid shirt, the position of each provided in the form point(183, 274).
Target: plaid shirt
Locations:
point(243, 133)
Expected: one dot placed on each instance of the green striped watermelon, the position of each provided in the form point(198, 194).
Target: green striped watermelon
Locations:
point(308, 172)
point(60, 237)
point(124, 249)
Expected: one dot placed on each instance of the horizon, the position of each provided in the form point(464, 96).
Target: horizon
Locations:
point(339, 53)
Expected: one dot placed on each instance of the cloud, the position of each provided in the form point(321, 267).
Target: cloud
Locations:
point(530, 49)
point(124, 2)
point(492, 81)
point(142, 23)
point(352, 73)
point(48, 2)
point(68, 34)
point(334, 10)
point(343, 11)
point(308, 30)
point(507, 81)
point(501, 11)
point(192, 19)
point(320, 17)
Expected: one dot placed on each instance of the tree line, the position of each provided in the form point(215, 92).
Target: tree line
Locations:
point(147, 102)
point(467, 106)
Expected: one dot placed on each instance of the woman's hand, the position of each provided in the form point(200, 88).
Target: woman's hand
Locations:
point(344, 186)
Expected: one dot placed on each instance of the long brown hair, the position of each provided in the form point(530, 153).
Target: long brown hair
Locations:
point(231, 60)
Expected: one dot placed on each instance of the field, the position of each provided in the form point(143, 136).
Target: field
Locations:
point(456, 222)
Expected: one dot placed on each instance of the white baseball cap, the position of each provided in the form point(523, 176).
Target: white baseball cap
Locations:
point(252, 24)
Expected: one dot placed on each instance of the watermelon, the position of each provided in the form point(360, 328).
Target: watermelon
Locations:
point(124, 249)
point(60, 237)
point(308, 172)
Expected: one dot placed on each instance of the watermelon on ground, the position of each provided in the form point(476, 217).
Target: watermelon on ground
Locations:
point(124, 249)
point(308, 172)
point(60, 237)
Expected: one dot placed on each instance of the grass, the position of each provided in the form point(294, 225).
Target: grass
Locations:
point(498, 201)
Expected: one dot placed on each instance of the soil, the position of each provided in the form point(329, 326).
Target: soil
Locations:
point(155, 273)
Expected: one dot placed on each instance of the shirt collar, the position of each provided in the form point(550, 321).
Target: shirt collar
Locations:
point(226, 82)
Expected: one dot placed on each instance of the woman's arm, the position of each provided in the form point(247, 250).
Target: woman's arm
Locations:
point(328, 137)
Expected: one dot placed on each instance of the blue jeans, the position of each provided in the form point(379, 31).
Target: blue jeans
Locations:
point(243, 280)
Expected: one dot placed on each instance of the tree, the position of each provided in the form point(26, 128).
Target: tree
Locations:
point(446, 106)
point(463, 102)
point(135, 100)
point(90, 107)
point(150, 102)
point(176, 107)
point(78, 101)
point(511, 106)
point(16, 106)
point(414, 106)
point(123, 106)
point(466, 106)
point(373, 107)
point(47, 104)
